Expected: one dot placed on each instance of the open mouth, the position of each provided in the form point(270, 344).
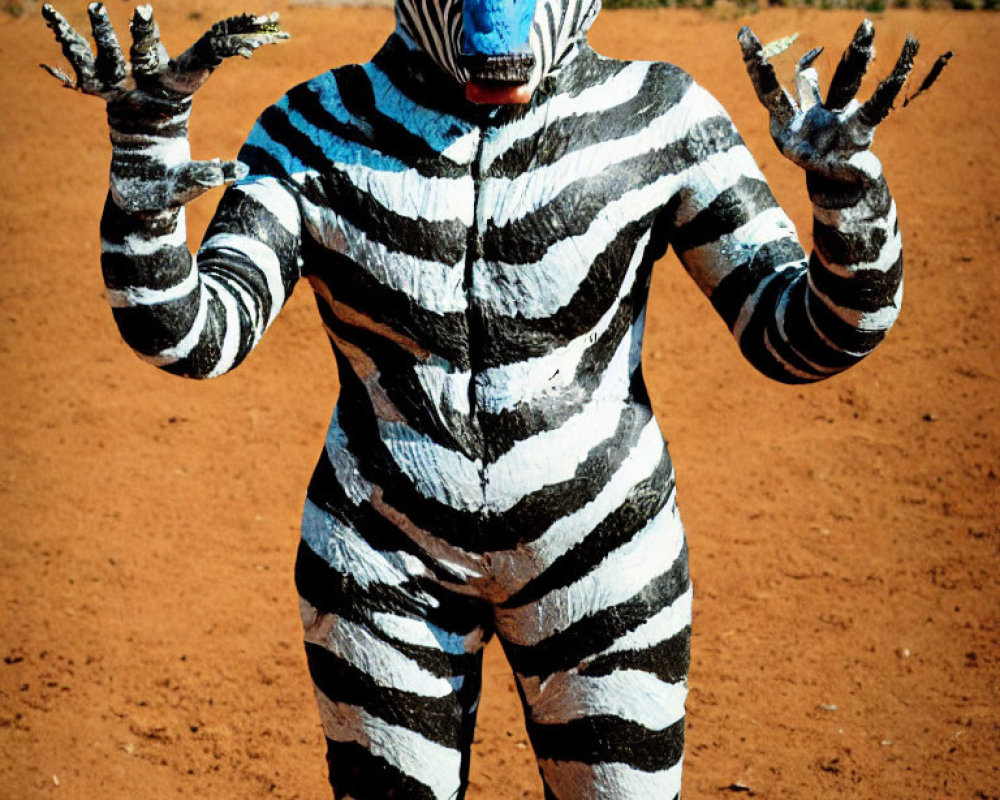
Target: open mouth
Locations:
point(498, 79)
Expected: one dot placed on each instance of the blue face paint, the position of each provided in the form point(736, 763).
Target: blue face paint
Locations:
point(496, 27)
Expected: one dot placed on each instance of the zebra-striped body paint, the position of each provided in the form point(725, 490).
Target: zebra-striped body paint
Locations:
point(493, 465)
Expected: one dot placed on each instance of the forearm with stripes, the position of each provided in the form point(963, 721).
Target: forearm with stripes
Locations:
point(796, 320)
point(197, 317)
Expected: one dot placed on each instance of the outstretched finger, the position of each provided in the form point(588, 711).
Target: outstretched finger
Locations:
point(195, 178)
point(852, 67)
point(807, 80)
point(149, 56)
point(74, 46)
point(878, 106)
point(59, 75)
point(111, 67)
point(240, 35)
point(765, 82)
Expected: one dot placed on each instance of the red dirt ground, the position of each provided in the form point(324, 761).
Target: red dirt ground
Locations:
point(844, 537)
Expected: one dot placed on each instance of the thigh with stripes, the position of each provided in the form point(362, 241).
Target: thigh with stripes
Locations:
point(601, 659)
point(396, 662)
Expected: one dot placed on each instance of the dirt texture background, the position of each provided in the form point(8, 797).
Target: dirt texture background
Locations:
point(844, 537)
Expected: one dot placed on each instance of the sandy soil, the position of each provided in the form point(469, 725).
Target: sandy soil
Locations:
point(844, 537)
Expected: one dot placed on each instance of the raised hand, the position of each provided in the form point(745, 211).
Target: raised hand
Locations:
point(149, 103)
point(829, 138)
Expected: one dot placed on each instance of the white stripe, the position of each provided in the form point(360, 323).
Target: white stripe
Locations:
point(513, 198)
point(622, 573)
point(345, 466)
point(436, 287)
point(878, 320)
point(750, 306)
point(629, 694)
point(504, 387)
point(664, 624)
point(412, 195)
point(436, 472)
point(553, 456)
point(603, 781)
point(140, 244)
point(710, 263)
point(262, 257)
point(183, 348)
point(514, 568)
point(170, 151)
point(422, 633)
point(144, 296)
point(230, 346)
point(885, 261)
point(616, 90)
point(276, 198)
point(539, 290)
point(430, 763)
point(857, 219)
point(376, 658)
point(348, 553)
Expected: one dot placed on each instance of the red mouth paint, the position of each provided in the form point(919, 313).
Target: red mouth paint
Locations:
point(497, 93)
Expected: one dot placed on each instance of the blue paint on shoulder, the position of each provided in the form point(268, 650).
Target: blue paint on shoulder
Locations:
point(437, 129)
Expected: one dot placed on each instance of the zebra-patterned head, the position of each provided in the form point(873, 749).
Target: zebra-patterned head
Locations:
point(500, 50)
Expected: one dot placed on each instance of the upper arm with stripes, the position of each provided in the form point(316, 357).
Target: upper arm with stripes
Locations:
point(795, 319)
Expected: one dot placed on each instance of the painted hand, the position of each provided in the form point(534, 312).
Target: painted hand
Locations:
point(828, 138)
point(149, 102)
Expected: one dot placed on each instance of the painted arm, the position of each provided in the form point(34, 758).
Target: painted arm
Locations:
point(197, 317)
point(796, 319)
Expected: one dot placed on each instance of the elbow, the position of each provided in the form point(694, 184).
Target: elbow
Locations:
point(197, 347)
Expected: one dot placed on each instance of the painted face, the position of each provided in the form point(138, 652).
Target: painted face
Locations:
point(500, 50)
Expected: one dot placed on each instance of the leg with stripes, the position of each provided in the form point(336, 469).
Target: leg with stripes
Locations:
point(601, 662)
point(396, 662)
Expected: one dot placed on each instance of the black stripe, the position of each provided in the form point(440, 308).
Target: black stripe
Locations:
point(839, 332)
point(242, 215)
point(847, 249)
point(668, 660)
point(762, 319)
point(604, 738)
point(207, 352)
point(417, 77)
point(167, 267)
point(438, 719)
point(445, 335)
point(647, 498)
point(597, 632)
point(503, 429)
point(662, 87)
point(866, 290)
point(151, 329)
point(834, 195)
point(511, 339)
point(332, 592)
point(261, 162)
point(356, 772)
point(398, 379)
point(807, 341)
point(525, 521)
point(440, 241)
point(731, 294)
point(573, 210)
point(730, 209)
point(388, 135)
